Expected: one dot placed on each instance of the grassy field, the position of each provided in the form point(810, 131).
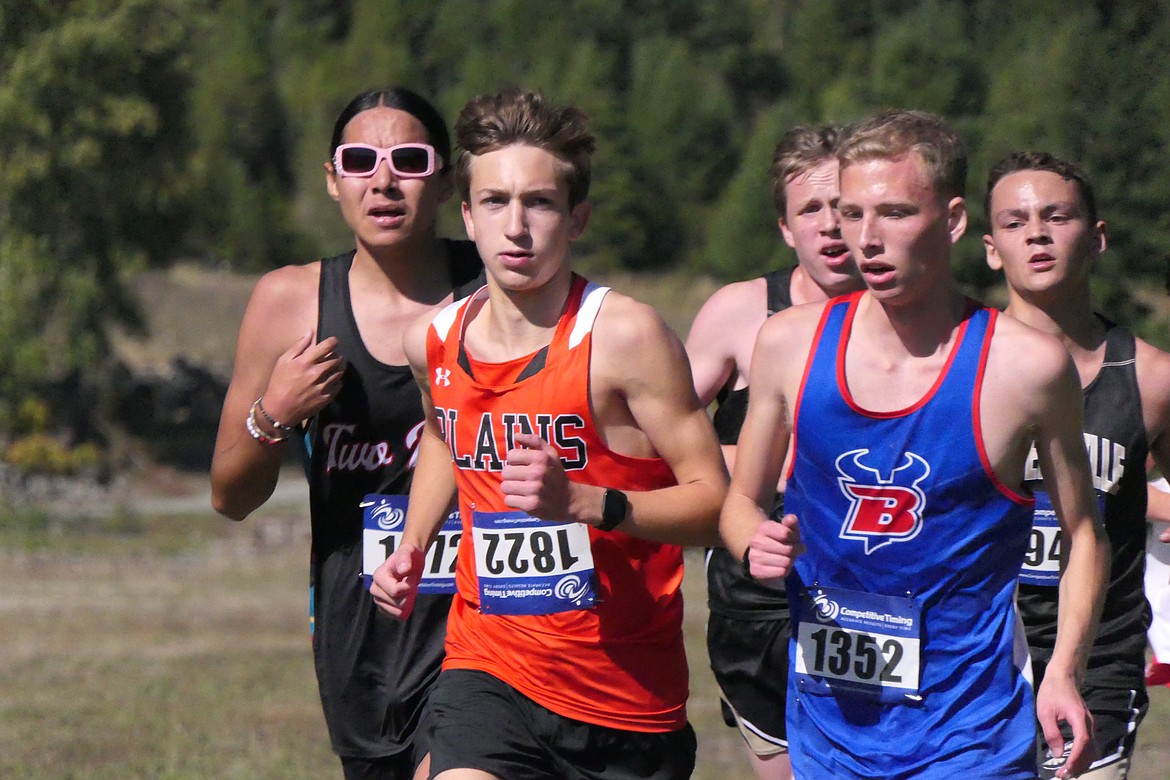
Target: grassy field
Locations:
point(156, 645)
point(165, 642)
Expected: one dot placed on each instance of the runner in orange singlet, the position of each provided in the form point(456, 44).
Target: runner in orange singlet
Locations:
point(565, 415)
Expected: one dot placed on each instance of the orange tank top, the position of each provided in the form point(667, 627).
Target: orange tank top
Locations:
point(606, 649)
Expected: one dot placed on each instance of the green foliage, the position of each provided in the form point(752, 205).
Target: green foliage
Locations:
point(925, 60)
point(23, 296)
point(240, 164)
point(679, 118)
point(36, 451)
point(827, 49)
point(92, 151)
point(32, 416)
point(743, 237)
point(40, 453)
point(141, 132)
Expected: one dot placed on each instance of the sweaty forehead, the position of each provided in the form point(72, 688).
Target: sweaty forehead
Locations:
point(880, 178)
point(1031, 187)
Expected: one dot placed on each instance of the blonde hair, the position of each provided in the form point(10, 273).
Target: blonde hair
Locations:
point(896, 133)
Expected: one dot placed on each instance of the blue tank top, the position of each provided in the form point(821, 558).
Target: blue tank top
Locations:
point(906, 659)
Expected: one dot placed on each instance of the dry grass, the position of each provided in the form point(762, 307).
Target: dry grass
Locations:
point(139, 664)
point(156, 646)
point(194, 313)
point(193, 662)
point(147, 657)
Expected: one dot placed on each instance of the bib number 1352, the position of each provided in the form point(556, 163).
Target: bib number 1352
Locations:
point(860, 642)
point(852, 655)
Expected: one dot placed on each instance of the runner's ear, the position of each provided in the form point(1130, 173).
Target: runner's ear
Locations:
point(991, 255)
point(956, 219)
point(1099, 237)
point(580, 216)
point(468, 224)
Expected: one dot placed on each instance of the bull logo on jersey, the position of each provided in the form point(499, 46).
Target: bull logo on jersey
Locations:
point(882, 511)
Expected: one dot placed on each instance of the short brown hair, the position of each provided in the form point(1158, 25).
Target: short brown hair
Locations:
point(801, 149)
point(491, 122)
point(895, 133)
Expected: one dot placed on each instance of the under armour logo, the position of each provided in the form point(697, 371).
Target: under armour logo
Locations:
point(443, 377)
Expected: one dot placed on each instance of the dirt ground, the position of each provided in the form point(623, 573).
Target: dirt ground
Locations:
point(141, 636)
point(175, 645)
point(165, 642)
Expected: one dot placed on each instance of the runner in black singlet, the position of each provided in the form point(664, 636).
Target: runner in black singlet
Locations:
point(320, 358)
point(1045, 236)
point(748, 628)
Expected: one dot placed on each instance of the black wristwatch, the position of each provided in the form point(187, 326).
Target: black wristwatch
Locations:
point(613, 509)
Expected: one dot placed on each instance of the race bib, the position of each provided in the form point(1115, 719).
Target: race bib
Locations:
point(1042, 560)
point(861, 643)
point(1045, 544)
point(528, 566)
point(383, 521)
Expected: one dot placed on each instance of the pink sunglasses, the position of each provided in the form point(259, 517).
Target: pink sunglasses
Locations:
point(406, 161)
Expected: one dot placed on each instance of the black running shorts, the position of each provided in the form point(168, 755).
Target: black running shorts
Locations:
point(750, 661)
point(476, 721)
point(1116, 715)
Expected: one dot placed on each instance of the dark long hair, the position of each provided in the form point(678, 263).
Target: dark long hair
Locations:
point(401, 99)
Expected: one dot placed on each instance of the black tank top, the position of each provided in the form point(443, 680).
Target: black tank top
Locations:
point(373, 671)
point(1116, 438)
point(729, 593)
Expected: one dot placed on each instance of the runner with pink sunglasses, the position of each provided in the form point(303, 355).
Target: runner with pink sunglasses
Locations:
point(320, 359)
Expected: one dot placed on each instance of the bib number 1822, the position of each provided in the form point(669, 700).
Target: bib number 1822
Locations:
point(519, 552)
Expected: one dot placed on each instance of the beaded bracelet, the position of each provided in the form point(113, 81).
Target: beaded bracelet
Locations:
point(281, 427)
point(255, 432)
